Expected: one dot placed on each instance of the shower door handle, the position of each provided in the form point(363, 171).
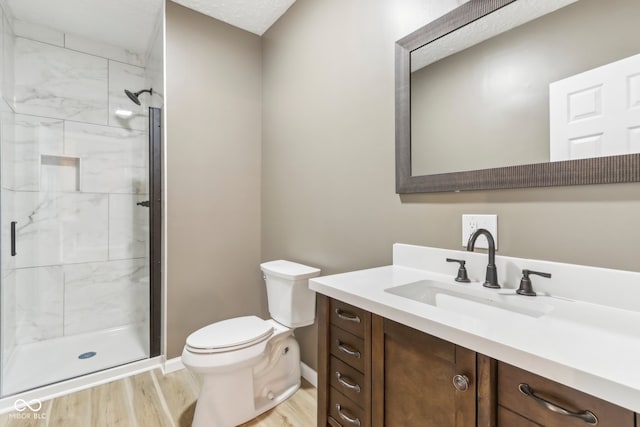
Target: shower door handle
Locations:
point(146, 203)
point(13, 238)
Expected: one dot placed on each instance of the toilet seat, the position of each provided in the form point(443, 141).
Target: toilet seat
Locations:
point(229, 335)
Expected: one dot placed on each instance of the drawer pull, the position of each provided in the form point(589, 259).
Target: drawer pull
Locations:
point(586, 416)
point(346, 348)
point(347, 417)
point(347, 382)
point(345, 315)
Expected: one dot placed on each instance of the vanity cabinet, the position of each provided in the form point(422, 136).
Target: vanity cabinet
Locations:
point(375, 372)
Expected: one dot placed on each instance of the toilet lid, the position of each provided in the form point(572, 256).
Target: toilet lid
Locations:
point(230, 333)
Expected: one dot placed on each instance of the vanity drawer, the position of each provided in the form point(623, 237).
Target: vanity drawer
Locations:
point(511, 380)
point(345, 412)
point(348, 348)
point(348, 381)
point(348, 317)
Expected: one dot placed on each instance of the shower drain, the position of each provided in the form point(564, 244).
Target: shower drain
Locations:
point(87, 355)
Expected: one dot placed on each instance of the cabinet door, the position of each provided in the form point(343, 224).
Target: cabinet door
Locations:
point(413, 376)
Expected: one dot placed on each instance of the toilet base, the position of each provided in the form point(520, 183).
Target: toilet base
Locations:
point(217, 415)
point(264, 404)
point(231, 398)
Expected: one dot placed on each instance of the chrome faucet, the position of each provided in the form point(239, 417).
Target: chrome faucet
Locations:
point(491, 280)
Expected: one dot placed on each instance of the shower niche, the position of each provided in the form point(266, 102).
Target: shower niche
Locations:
point(59, 173)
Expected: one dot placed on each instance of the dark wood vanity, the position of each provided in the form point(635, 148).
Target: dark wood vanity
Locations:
point(375, 372)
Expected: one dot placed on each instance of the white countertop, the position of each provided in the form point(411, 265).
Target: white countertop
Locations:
point(592, 347)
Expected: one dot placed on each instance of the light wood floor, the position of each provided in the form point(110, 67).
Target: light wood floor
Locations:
point(151, 399)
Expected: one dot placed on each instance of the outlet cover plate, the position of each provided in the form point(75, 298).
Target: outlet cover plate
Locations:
point(471, 223)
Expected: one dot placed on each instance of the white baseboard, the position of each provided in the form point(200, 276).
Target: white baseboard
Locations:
point(172, 365)
point(309, 374)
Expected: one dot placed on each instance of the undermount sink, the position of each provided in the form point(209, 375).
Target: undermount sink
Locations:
point(468, 300)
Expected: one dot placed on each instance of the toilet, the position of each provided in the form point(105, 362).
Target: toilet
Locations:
point(249, 365)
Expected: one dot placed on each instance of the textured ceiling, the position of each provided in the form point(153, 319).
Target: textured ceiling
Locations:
point(130, 24)
point(125, 23)
point(255, 16)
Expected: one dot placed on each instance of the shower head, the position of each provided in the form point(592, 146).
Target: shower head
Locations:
point(134, 96)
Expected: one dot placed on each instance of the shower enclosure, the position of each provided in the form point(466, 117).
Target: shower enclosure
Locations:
point(79, 271)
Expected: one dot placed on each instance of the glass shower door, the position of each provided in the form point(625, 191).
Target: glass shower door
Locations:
point(75, 273)
point(80, 279)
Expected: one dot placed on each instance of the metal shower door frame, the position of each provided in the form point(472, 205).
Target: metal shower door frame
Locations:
point(155, 230)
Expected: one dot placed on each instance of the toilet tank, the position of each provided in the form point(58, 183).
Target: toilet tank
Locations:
point(291, 302)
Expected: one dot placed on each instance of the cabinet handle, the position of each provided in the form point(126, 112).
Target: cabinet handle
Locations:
point(347, 417)
point(346, 348)
point(348, 316)
point(586, 416)
point(461, 382)
point(347, 382)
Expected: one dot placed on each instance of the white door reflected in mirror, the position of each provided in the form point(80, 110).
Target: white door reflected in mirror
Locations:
point(596, 113)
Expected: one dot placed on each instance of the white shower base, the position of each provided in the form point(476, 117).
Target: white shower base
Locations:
point(40, 363)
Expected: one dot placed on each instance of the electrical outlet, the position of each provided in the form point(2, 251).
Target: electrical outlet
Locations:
point(471, 223)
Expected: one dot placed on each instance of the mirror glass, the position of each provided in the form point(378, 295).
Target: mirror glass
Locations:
point(561, 84)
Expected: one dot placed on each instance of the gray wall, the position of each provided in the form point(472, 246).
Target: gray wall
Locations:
point(213, 173)
point(328, 195)
point(327, 179)
point(488, 106)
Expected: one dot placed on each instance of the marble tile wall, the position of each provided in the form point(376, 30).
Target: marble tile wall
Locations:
point(78, 171)
point(38, 32)
point(132, 78)
point(70, 299)
point(6, 124)
point(33, 137)
point(155, 65)
point(121, 289)
point(114, 160)
point(64, 228)
point(39, 303)
point(128, 227)
point(52, 81)
point(8, 262)
point(7, 290)
point(93, 47)
point(60, 228)
point(8, 54)
point(77, 43)
point(8, 316)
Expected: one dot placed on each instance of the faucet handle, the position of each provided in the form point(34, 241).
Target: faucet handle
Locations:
point(525, 283)
point(462, 271)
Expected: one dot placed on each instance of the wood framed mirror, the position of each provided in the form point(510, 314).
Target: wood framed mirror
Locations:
point(485, 24)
